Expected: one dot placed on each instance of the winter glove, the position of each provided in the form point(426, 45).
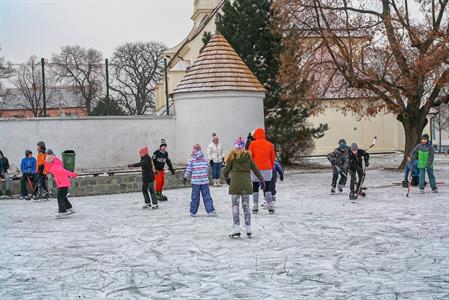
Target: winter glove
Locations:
point(173, 172)
point(130, 166)
point(184, 181)
point(228, 180)
point(366, 164)
point(262, 185)
point(211, 162)
point(281, 177)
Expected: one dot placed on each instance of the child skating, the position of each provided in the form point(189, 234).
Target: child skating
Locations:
point(62, 178)
point(339, 161)
point(424, 153)
point(239, 166)
point(198, 170)
point(356, 170)
point(146, 164)
point(160, 158)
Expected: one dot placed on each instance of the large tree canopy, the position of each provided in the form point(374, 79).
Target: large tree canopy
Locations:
point(395, 54)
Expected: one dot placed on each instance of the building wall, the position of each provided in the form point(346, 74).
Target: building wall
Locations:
point(229, 114)
point(388, 130)
point(51, 112)
point(99, 142)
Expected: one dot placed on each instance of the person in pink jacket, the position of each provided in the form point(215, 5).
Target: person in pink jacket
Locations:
point(62, 178)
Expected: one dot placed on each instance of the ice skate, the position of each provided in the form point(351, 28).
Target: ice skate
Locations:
point(332, 190)
point(62, 215)
point(70, 211)
point(340, 188)
point(434, 190)
point(271, 210)
point(212, 214)
point(255, 210)
point(235, 231)
point(362, 194)
point(421, 191)
point(155, 207)
point(352, 196)
point(249, 232)
point(146, 206)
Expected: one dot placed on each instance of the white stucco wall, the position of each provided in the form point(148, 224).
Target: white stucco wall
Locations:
point(388, 130)
point(229, 114)
point(99, 142)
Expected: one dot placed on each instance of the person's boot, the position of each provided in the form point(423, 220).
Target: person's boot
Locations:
point(340, 188)
point(362, 194)
point(249, 231)
point(352, 196)
point(404, 184)
point(332, 190)
point(235, 232)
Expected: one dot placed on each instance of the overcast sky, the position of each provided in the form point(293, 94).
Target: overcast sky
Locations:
point(41, 27)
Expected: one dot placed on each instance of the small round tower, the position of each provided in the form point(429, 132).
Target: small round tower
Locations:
point(218, 94)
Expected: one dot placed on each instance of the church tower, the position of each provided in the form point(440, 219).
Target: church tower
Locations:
point(203, 8)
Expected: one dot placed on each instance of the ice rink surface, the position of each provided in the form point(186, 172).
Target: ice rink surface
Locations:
point(316, 246)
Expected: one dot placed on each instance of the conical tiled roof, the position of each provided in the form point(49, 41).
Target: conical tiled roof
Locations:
point(219, 68)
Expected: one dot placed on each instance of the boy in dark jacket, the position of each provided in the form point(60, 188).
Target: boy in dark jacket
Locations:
point(356, 156)
point(28, 168)
point(160, 158)
point(424, 153)
point(4, 167)
point(339, 160)
point(147, 178)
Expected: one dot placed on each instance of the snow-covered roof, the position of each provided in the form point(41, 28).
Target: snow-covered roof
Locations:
point(219, 68)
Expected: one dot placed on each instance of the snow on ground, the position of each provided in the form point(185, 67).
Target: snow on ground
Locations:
point(316, 246)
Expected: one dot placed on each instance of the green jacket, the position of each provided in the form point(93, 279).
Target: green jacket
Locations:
point(239, 172)
point(424, 153)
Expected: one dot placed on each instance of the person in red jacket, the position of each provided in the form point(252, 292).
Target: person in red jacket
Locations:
point(263, 154)
point(62, 179)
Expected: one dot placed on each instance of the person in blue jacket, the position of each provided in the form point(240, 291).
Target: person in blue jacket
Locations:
point(415, 173)
point(28, 168)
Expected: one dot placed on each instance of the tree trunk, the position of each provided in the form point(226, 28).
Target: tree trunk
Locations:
point(413, 128)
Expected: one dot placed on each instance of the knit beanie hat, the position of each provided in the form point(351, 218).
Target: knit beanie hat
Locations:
point(143, 151)
point(425, 136)
point(163, 143)
point(50, 152)
point(239, 144)
point(342, 141)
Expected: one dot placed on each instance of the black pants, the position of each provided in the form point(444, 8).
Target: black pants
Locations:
point(63, 202)
point(42, 183)
point(256, 186)
point(342, 180)
point(25, 183)
point(353, 174)
point(149, 186)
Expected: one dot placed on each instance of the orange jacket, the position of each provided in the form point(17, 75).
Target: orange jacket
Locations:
point(41, 157)
point(262, 151)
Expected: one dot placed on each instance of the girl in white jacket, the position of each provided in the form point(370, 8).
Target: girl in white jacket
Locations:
point(216, 157)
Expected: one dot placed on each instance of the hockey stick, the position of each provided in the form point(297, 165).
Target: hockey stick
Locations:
point(409, 179)
point(340, 171)
point(31, 186)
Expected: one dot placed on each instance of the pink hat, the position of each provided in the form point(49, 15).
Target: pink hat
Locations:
point(239, 144)
point(144, 151)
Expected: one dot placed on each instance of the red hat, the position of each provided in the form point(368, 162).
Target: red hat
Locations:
point(144, 151)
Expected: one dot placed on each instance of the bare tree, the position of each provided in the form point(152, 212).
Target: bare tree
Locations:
point(136, 68)
point(6, 71)
point(28, 83)
point(81, 68)
point(374, 50)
